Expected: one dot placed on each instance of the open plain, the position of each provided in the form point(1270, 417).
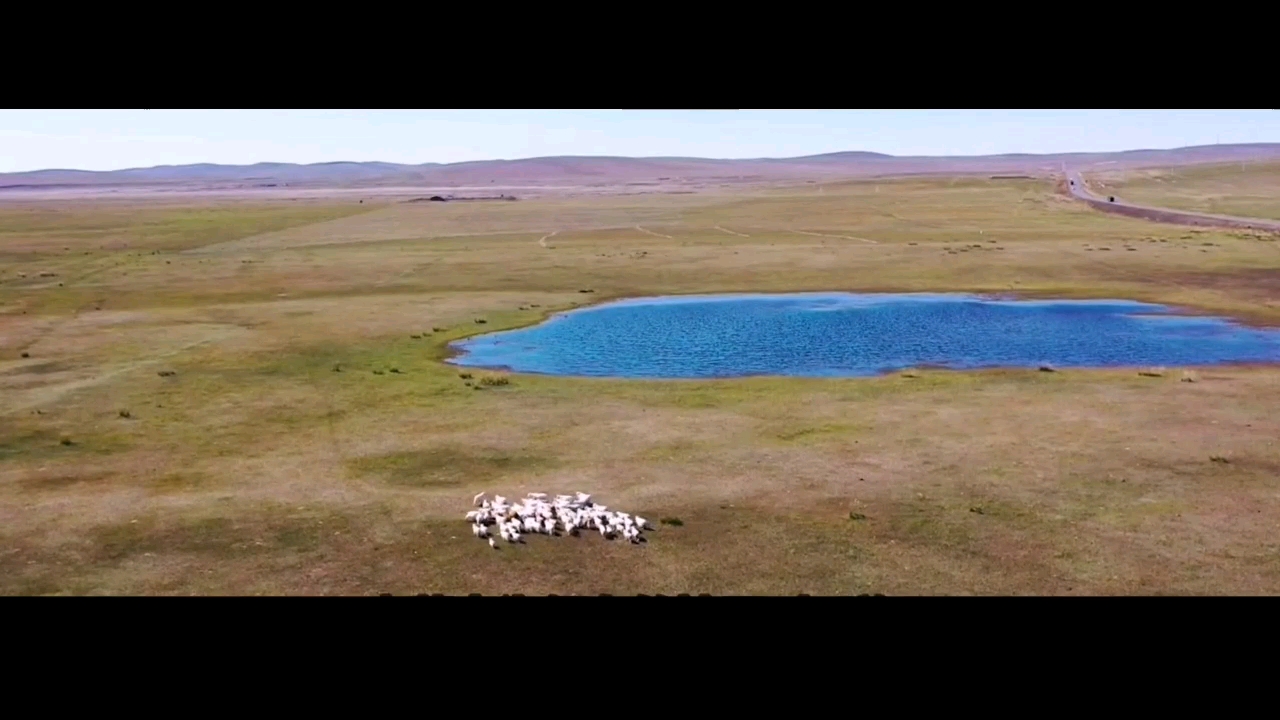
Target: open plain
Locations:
point(1251, 189)
point(241, 396)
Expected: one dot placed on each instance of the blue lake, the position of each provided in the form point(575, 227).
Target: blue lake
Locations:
point(841, 334)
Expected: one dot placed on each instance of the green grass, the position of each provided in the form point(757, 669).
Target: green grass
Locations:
point(58, 229)
point(817, 433)
point(447, 467)
point(257, 468)
point(30, 440)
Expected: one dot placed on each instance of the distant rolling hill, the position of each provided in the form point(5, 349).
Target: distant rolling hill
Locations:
point(615, 170)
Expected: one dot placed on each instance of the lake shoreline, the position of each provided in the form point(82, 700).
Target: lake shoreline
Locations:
point(459, 349)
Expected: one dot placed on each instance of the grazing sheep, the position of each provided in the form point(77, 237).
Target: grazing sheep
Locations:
point(534, 514)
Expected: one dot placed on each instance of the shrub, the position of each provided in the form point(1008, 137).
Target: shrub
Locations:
point(494, 381)
point(673, 521)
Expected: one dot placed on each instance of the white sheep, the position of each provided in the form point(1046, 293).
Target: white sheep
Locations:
point(534, 514)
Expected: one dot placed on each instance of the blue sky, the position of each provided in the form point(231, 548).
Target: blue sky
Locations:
point(114, 139)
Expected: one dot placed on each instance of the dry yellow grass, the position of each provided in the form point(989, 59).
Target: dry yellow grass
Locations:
point(1243, 189)
point(275, 460)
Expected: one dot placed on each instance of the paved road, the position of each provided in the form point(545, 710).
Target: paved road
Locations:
point(1079, 190)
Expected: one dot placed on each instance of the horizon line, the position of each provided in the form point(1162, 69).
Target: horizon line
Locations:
point(642, 157)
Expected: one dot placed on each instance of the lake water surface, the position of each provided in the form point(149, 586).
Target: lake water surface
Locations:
point(841, 334)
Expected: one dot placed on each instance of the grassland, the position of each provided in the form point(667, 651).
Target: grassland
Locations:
point(1243, 189)
point(271, 457)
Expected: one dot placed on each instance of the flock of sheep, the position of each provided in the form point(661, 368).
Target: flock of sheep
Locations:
point(535, 514)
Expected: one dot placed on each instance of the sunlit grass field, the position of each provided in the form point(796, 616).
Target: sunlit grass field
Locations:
point(270, 457)
point(1243, 189)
